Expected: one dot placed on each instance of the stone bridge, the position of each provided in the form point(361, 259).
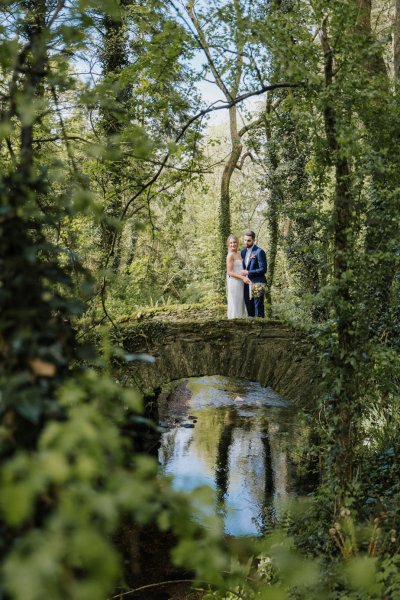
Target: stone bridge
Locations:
point(258, 350)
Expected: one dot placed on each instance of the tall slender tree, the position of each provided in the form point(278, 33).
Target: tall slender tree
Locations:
point(113, 113)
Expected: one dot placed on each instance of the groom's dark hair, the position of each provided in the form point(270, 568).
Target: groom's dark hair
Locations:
point(250, 233)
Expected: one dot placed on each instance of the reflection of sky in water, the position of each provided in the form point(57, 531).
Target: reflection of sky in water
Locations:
point(223, 391)
point(238, 447)
point(187, 468)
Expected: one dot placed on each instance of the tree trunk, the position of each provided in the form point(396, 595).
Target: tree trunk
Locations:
point(114, 59)
point(381, 122)
point(273, 221)
point(225, 199)
point(33, 315)
point(342, 399)
point(396, 41)
point(33, 84)
point(272, 216)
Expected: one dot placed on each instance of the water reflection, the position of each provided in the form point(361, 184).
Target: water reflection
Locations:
point(238, 446)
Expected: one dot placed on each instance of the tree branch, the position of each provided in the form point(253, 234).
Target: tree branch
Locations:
point(57, 138)
point(251, 125)
point(206, 49)
point(237, 100)
point(245, 155)
point(56, 12)
point(240, 43)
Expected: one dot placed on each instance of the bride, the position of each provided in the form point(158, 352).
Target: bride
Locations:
point(235, 281)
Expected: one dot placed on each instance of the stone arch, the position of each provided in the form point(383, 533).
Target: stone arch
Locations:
point(264, 351)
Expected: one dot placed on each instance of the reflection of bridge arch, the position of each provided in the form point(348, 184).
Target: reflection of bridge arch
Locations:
point(264, 351)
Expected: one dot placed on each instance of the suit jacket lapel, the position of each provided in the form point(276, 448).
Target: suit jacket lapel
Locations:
point(243, 253)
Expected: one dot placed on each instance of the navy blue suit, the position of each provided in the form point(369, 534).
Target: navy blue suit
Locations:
point(256, 269)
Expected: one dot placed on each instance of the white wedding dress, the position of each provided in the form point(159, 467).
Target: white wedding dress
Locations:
point(235, 293)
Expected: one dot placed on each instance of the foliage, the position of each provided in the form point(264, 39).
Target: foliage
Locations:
point(109, 203)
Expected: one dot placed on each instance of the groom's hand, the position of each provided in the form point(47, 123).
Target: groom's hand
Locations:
point(244, 273)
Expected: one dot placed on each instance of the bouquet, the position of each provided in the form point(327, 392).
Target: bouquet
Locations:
point(257, 290)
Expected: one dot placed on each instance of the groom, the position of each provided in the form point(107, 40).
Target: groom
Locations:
point(254, 266)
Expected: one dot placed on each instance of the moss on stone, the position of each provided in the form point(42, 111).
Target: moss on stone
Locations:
point(177, 312)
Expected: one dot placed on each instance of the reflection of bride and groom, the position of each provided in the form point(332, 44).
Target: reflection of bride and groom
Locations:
point(245, 277)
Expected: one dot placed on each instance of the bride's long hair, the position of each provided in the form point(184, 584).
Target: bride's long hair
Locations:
point(231, 237)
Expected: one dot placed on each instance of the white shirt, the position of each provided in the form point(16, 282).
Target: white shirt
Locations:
point(247, 257)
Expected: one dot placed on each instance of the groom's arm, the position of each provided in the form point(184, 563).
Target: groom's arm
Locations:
point(262, 265)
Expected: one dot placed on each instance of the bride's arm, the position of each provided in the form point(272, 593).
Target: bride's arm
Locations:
point(229, 267)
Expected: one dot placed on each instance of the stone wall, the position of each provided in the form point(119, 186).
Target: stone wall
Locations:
point(258, 350)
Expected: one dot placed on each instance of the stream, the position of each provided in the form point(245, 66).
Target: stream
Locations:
point(236, 437)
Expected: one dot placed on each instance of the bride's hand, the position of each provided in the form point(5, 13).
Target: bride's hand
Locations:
point(246, 280)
